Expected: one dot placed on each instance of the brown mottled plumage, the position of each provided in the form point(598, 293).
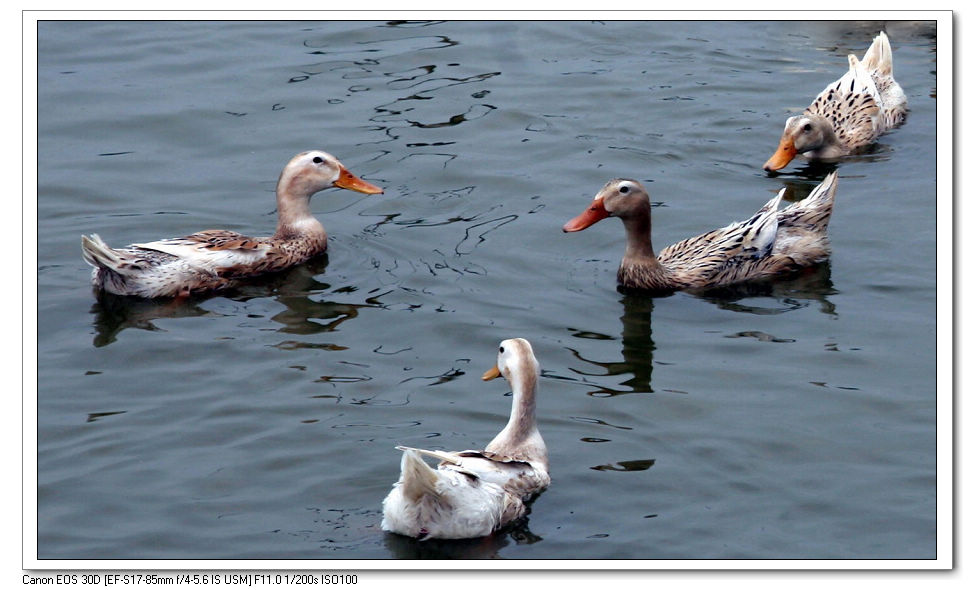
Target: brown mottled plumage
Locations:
point(849, 114)
point(770, 243)
point(474, 493)
point(216, 259)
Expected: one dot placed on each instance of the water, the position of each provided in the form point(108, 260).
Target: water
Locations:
point(792, 422)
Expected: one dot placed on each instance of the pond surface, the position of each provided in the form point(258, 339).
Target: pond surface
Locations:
point(794, 421)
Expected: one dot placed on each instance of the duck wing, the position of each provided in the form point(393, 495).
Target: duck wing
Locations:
point(453, 459)
point(515, 474)
point(215, 250)
point(698, 261)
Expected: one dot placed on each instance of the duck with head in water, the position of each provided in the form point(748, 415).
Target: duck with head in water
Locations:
point(849, 114)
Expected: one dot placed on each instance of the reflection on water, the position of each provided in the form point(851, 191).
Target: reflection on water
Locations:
point(816, 170)
point(318, 364)
point(635, 465)
point(800, 168)
point(292, 288)
point(637, 350)
point(768, 297)
point(780, 295)
point(114, 313)
point(401, 547)
point(806, 179)
point(305, 315)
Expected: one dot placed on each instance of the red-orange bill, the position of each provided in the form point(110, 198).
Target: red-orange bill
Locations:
point(594, 213)
point(352, 182)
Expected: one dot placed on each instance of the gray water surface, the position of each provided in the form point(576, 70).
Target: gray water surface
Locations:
point(792, 421)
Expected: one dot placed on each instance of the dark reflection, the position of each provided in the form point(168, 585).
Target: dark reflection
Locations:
point(806, 169)
point(780, 295)
point(480, 548)
point(114, 313)
point(638, 348)
point(637, 465)
point(99, 415)
point(797, 189)
point(307, 316)
point(384, 46)
point(474, 112)
point(768, 297)
point(303, 315)
point(409, 24)
point(816, 170)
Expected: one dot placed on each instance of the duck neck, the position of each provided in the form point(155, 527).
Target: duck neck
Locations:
point(638, 259)
point(294, 194)
point(520, 436)
point(637, 225)
point(831, 148)
point(832, 142)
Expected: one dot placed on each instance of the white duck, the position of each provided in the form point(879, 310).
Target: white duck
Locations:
point(216, 259)
point(474, 493)
point(849, 113)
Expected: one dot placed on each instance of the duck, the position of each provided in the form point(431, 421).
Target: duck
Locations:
point(216, 259)
point(771, 242)
point(474, 493)
point(849, 114)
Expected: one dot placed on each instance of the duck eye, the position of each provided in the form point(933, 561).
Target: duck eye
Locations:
point(317, 160)
point(807, 127)
point(501, 349)
point(624, 189)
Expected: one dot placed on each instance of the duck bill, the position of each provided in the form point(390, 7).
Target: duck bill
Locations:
point(492, 373)
point(595, 212)
point(350, 181)
point(782, 156)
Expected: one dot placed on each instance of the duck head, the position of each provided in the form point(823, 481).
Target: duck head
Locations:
point(802, 134)
point(313, 171)
point(621, 197)
point(516, 361)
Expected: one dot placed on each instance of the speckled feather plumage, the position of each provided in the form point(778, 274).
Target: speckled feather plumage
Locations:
point(861, 105)
point(770, 243)
point(849, 114)
point(722, 257)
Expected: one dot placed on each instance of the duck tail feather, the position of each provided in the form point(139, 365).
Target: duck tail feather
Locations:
point(442, 455)
point(418, 479)
point(98, 254)
point(773, 203)
point(879, 57)
point(824, 193)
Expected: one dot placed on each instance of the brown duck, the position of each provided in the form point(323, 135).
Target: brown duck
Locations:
point(771, 242)
point(215, 259)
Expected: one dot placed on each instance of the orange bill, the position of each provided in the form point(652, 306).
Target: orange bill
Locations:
point(354, 183)
point(594, 213)
point(492, 373)
point(782, 156)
